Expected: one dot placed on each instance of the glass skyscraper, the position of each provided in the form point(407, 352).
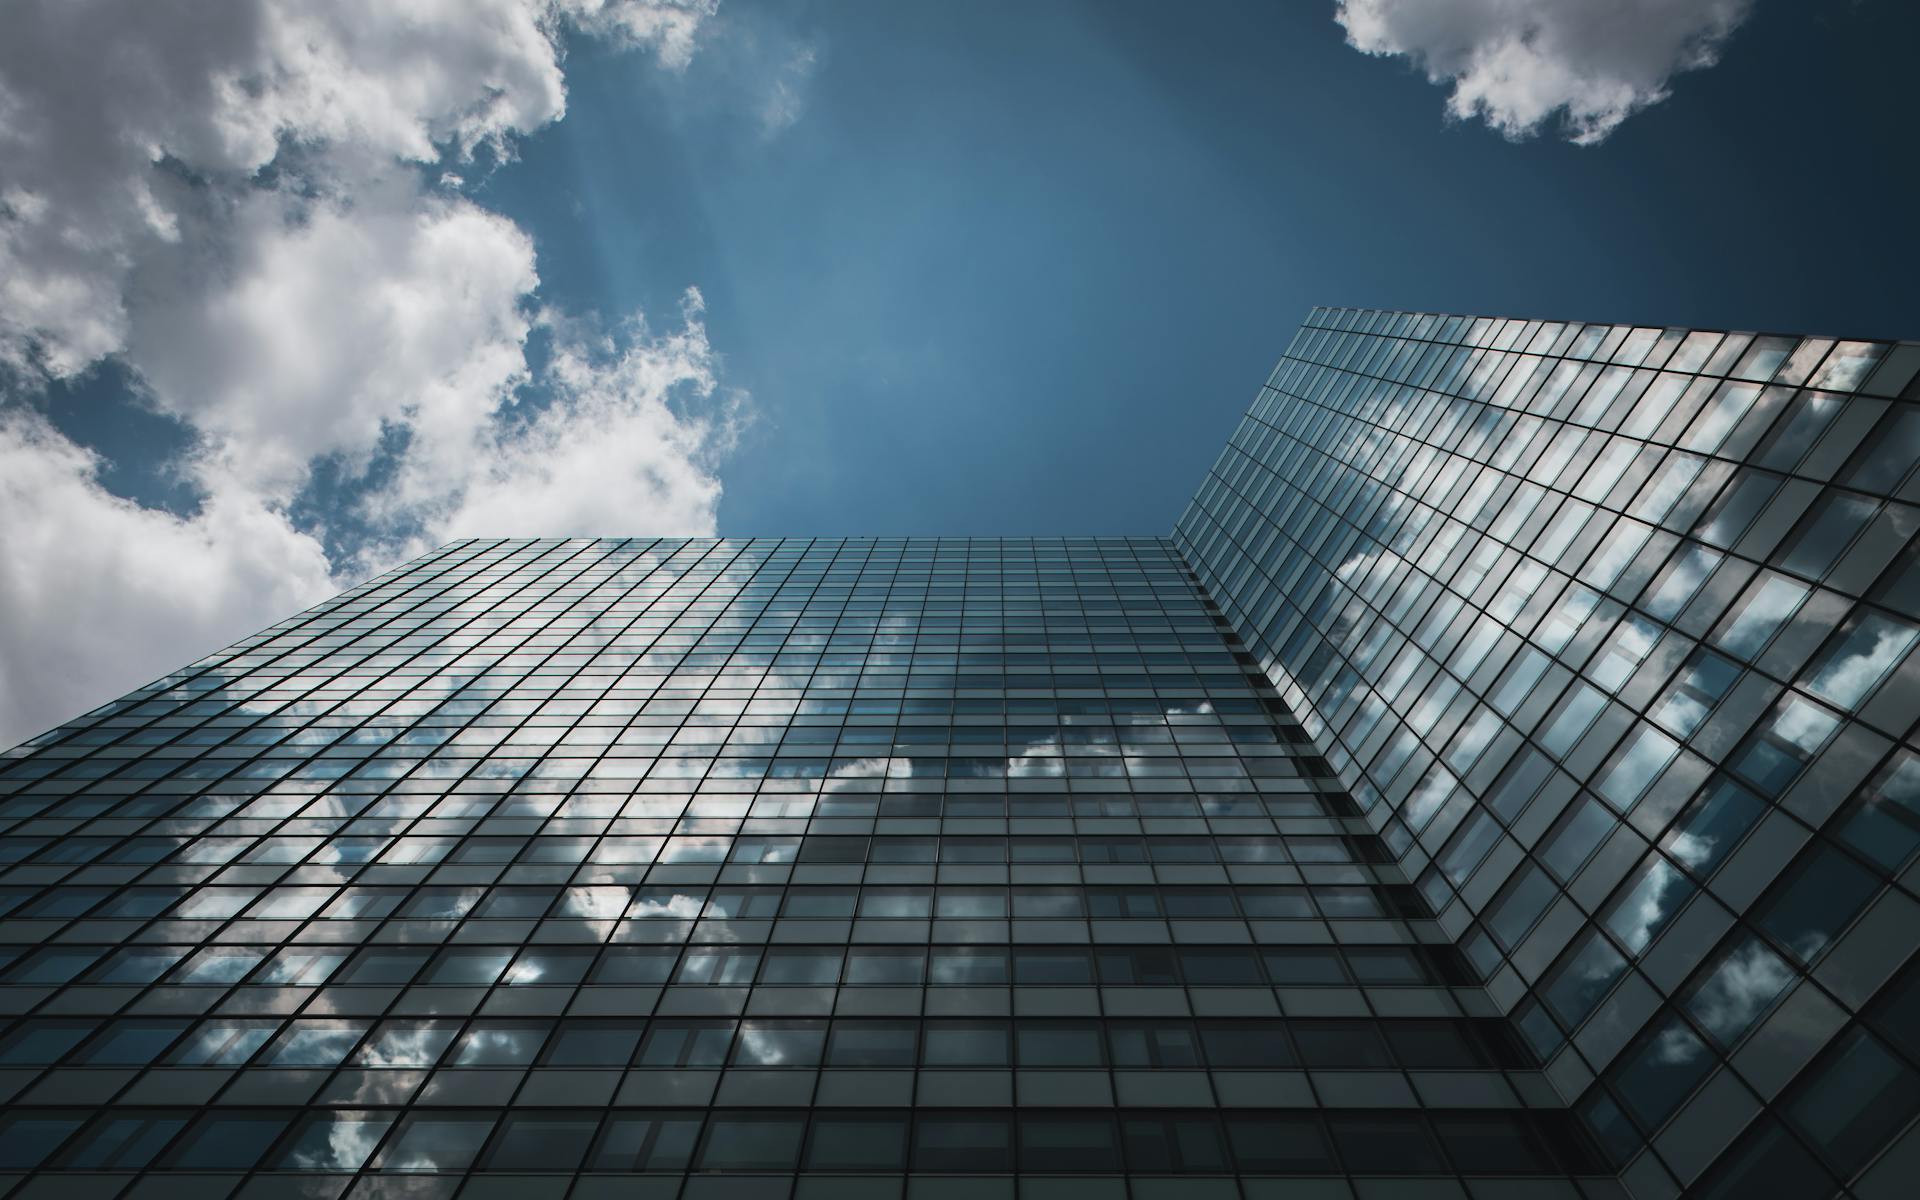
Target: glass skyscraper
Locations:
point(1501, 784)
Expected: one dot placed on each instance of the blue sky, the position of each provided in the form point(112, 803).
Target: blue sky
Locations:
point(293, 292)
point(1017, 268)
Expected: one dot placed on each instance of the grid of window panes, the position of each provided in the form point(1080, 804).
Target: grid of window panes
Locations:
point(721, 869)
point(1609, 630)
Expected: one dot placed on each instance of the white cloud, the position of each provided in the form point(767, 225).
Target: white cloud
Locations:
point(1739, 989)
point(669, 26)
point(623, 448)
point(348, 323)
point(787, 91)
point(100, 100)
point(331, 323)
point(1854, 667)
point(128, 126)
point(100, 594)
point(1517, 63)
point(233, 198)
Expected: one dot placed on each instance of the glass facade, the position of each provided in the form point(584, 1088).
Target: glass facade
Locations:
point(1494, 788)
point(1608, 632)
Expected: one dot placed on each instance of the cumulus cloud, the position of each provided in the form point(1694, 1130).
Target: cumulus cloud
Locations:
point(1729, 1000)
point(100, 594)
point(624, 412)
point(254, 207)
point(1517, 63)
point(328, 324)
point(118, 121)
point(668, 26)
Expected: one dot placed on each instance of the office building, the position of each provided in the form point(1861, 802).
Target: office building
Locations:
point(1500, 784)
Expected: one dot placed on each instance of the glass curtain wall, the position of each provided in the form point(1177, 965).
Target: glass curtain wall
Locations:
point(1608, 630)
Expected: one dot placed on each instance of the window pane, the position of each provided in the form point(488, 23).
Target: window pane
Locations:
point(499, 1045)
point(1292, 1144)
point(1059, 1044)
point(1786, 740)
point(1492, 1144)
point(28, 1137)
point(1826, 531)
point(435, 1141)
point(1701, 684)
point(1758, 615)
point(541, 1142)
point(646, 1142)
point(872, 1044)
point(1064, 1143)
point(341, 1141)
point(1341, 1044)
point(1768, 1161)
point(1712, 826)
point(1585, 974)
point(226, 1141)
point(865, 1142)
point(1389, 1144)
point(1883, 822)
point(752, 1142)
point(1262, 1045)
point(966, 1044)
point(1658, 1073)
point(1174, 1144)
point(1814, 900)
point(1648, 903)
point(686, 1044)
point(964, 1143)
point(780, 1043)
point(593, 1044)
point(1856, 1098)
point(1635, 767)
point(120, 1141)
point(1867, 649)
point(1736, 988)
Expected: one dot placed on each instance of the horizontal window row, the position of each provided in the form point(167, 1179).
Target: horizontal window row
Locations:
point(1409, 1043)
point(473, 750)
point(1623, 394)
point(1175, 638)
point(619, 668)
point(383, 807)
point(1104, 638)
point(673, 1141)
point(1115, 655)
point(901, 760)
point(753, 615)
point(1081, 721)
point(395, 812)
point(287, 849)
point(175, 713)
point(760, 614)
point(755, 742)
point(245, 731)
point(714, 729)
point(675, 903)
point(1341, 334)
point(735, 965)
point(750, 618)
